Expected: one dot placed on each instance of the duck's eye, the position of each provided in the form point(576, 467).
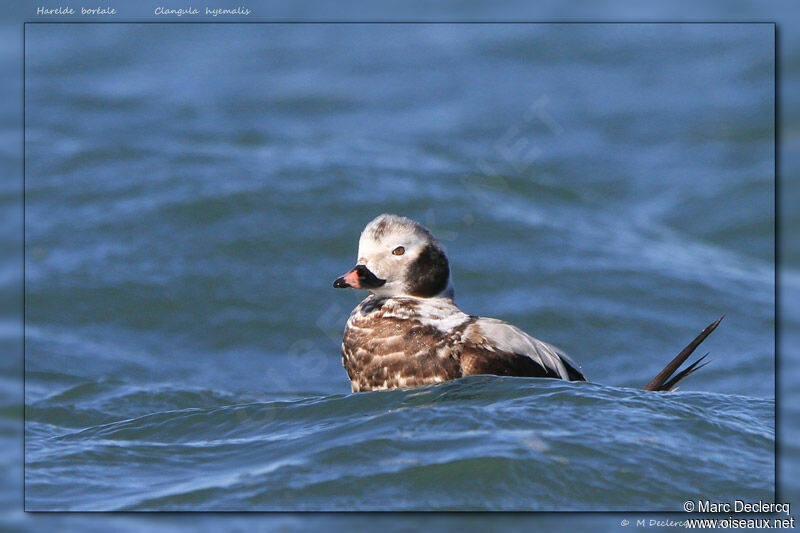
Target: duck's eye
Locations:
point(399, 250)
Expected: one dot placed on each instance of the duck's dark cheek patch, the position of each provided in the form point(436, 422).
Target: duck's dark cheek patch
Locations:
point(429, 272)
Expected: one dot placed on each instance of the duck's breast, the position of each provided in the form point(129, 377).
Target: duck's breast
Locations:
point(396, 344)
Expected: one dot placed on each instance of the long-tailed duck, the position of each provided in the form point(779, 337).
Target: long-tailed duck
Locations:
point(409, 332)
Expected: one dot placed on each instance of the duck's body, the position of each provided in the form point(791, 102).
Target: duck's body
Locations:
point(409, 332)
point(406, 341)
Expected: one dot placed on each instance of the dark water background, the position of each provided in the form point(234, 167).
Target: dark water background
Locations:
point(192, 191)
point(182, 335)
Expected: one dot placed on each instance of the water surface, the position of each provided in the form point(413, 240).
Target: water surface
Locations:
point(192, 192)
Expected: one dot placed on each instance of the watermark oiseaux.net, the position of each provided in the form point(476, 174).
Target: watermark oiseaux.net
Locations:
point(728, 522)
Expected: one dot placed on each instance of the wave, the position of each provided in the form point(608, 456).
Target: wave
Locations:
point(480, 443)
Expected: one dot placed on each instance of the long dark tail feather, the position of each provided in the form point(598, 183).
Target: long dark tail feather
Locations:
point(662, 381)
point(691, 369)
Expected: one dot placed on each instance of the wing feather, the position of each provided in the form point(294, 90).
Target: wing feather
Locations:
point(506, 337)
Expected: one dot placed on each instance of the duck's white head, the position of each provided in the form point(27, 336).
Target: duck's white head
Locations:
point(399, 257)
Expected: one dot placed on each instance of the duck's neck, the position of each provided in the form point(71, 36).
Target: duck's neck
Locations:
point(448, 294)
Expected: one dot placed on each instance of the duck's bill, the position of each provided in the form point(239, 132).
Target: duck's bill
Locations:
point(359, 278)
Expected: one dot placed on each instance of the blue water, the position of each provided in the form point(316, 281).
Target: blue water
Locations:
point(476, 444)
point(192, 191)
